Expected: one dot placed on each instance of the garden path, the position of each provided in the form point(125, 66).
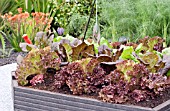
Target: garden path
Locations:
point(6, 92)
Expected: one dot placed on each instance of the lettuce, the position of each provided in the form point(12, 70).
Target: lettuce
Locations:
point(37, 62)
point(127, 54)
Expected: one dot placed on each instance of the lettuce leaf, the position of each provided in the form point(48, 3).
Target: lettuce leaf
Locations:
point(166, 51)
point(104, 41)
point(127, 54)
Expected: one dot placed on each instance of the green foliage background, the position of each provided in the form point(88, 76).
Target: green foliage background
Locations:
point(131, 18)
point(135, 18)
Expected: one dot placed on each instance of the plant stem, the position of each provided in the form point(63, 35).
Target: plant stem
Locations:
point(89, 20)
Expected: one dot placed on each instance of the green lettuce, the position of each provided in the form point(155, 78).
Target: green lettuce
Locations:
point(127, 54)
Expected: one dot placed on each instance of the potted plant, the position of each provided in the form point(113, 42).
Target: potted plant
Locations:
point(128, 73)
point(36, 100)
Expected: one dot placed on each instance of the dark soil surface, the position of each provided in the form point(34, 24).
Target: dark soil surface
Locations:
point(151, 103)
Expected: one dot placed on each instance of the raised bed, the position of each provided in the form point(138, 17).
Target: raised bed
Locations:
point(37, 100)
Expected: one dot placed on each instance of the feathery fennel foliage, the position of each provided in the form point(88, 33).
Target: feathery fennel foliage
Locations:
point(135, 18)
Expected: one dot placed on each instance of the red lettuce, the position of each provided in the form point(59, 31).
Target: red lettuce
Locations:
point(83, 76)
point(37, 79)
point(37, 62)
point(131, 80)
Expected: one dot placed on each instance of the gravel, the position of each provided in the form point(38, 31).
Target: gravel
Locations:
point(11, 59)
point(6, 91)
